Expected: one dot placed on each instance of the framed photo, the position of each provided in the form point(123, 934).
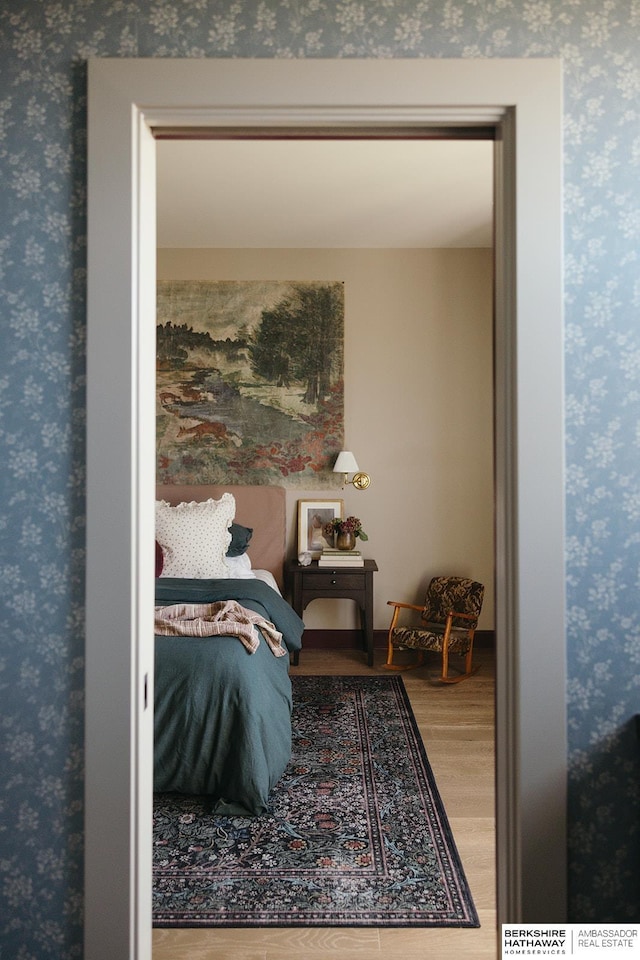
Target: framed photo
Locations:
point(312, 516)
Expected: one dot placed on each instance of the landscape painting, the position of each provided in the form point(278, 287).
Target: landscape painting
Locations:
point(250, 382)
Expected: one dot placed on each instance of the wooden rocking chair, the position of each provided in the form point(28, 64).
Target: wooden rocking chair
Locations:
point(449, 619)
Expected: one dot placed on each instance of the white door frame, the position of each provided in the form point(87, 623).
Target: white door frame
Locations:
point(521, 99)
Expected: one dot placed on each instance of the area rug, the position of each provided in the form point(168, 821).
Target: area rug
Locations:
point(356, 835)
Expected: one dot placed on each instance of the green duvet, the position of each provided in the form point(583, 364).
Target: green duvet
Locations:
point(222, 715)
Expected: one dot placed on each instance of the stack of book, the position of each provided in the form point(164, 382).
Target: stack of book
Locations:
point(340, 558)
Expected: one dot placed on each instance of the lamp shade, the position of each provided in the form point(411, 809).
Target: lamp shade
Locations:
point(345, 463)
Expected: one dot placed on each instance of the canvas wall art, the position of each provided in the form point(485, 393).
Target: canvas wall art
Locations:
point(249, 382)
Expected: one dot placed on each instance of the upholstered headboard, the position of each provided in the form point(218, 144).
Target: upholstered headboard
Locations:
point(263, 508)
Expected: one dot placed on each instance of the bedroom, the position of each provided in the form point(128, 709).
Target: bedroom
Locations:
point(418, 327)
point(439, 354)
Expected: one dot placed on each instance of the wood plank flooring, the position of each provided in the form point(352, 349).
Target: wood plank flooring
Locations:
point(457, 726)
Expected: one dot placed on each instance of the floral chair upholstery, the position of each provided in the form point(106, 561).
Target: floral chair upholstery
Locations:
point(449, 619)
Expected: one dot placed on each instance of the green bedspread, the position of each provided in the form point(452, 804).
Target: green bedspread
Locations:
point(222, 715)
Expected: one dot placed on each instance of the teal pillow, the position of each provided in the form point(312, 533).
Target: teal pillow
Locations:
point(240, 538)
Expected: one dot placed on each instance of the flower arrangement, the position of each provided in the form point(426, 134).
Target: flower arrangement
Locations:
point(349, 525)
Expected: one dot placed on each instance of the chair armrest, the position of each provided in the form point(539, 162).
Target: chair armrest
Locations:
point(397, 607)
point(405, 606)
point(463, 616)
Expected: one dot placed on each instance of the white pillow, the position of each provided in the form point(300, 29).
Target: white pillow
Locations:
point(195, 537)
point(240, 567)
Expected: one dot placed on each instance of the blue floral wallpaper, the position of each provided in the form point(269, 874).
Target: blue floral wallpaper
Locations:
point(43, 51)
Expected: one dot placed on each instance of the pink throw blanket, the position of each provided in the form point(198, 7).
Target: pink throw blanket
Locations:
point(218, 619)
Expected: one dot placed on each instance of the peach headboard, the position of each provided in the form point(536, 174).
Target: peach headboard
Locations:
point(263, 508)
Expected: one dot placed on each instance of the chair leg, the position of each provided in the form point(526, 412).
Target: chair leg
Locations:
point(389, 662)
point(468, 668)
point(445, 662)
point(468, 659)
point(390, 665)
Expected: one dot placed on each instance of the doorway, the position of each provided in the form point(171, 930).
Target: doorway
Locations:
point(532, 728)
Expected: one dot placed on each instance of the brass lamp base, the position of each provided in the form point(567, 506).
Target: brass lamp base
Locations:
point(361, 481)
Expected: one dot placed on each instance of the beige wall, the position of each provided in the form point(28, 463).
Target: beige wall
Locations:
point(418, 407)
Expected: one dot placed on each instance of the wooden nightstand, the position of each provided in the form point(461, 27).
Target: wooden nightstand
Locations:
point(322, 583)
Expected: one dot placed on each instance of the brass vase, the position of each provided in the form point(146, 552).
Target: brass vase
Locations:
point(345, 540)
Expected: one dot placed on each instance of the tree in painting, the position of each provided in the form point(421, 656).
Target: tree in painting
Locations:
point(301, 339)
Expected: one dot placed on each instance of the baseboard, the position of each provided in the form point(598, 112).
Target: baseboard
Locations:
point(485, 638)
point(352, 639)
point(332, 639)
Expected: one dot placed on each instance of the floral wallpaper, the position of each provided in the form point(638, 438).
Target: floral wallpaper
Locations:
point(43, 50)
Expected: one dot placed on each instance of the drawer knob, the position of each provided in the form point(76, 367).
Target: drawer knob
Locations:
point(333, 582)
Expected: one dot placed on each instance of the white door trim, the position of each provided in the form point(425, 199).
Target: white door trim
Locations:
point(522, 99)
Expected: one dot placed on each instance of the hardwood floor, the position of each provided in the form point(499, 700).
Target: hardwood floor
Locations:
point(457, 726)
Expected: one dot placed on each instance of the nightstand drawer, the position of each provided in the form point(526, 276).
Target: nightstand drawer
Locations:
point(330, 580)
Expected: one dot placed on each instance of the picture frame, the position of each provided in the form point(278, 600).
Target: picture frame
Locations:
point(312, 516)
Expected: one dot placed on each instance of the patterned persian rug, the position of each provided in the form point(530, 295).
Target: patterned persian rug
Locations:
point(356, 836)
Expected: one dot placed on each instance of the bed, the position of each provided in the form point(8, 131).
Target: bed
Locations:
point(222, 720)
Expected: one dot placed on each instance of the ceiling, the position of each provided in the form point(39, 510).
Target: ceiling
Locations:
point(325, 193)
